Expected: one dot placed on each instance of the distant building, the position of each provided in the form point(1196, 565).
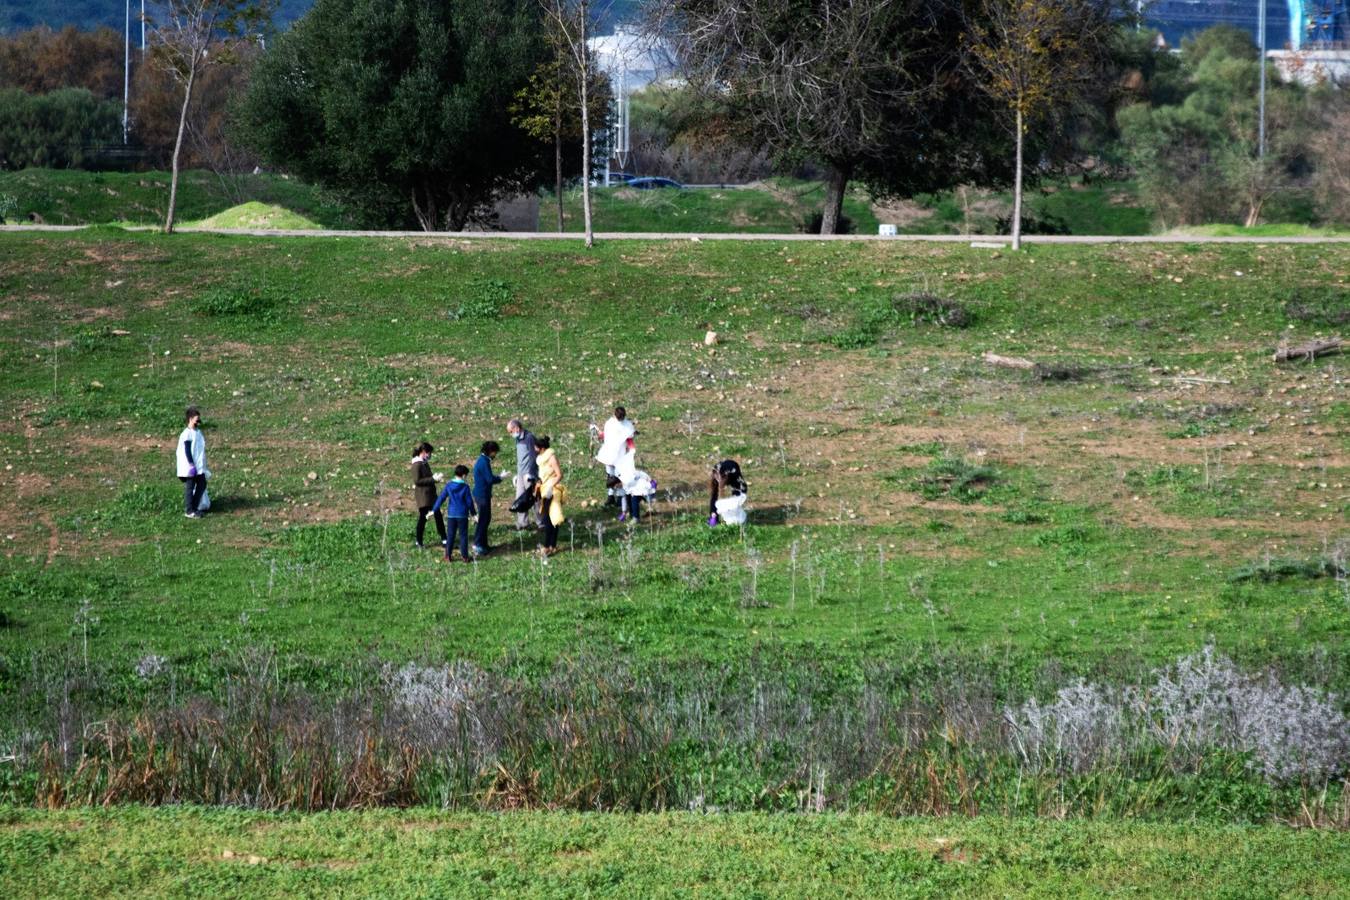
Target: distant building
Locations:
point(1290, 24)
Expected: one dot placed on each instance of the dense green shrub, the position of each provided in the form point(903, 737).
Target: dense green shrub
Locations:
point(59, 130)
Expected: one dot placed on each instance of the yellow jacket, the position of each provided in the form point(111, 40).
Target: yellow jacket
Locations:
point(550, 484)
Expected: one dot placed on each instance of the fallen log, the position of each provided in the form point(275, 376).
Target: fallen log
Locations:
point(1308, 350)
point(1043, 371)
point(1009, 362)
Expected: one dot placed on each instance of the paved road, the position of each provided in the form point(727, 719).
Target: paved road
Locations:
point(675, 236)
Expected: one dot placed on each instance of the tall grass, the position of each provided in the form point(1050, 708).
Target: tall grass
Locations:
point(1199, 738)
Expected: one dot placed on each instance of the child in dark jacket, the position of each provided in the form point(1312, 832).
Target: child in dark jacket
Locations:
point(459, 505)
point(483, 480)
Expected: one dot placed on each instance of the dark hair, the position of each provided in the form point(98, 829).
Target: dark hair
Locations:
point(461, 471)
point(542, 442)
point(423, 447)
point(620, 413)
point(191, 411)
point(490, 447)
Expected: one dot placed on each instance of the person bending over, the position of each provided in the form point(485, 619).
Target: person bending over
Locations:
point(727, 493)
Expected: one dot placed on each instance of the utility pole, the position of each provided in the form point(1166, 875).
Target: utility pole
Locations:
point(1261, 125)
point(126, 70)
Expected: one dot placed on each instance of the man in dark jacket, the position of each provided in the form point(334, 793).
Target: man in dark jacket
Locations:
point(527, 468)
point(424, 491)
point(483, 480)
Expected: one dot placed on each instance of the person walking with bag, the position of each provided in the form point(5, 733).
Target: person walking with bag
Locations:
point(424, 491)
point(191, 463)
point(527, 473)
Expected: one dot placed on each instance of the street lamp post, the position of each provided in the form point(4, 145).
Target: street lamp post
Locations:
point(1261, 124)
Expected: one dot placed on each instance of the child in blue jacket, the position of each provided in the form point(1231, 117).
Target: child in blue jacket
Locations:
point(483, 480)
point(459, 505)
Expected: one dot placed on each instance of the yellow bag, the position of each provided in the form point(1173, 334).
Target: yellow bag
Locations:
point(555, 509)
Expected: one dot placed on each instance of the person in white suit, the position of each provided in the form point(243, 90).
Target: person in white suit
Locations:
point(615, 440)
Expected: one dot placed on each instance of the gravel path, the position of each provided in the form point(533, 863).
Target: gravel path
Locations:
point(990, 240)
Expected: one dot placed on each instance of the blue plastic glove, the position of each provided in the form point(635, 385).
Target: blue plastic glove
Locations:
point(192, 471)
point(712, 521)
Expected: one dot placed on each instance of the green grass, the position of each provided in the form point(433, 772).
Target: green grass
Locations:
point(1062, 206)
point(780, 206)
point(228, 853)
point(72, 197)
point(254, 214)
point(321, 362)
point(1272, 230)
point(911, 506)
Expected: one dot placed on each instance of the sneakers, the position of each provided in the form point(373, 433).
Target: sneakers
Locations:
point(192, 515)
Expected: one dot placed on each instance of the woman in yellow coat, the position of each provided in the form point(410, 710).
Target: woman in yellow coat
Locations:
point(551, 494)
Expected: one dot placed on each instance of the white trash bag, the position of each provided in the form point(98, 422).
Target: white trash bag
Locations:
point(731, 510)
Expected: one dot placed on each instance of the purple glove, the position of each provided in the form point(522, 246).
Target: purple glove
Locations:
point(192, 471)
point(712, 520)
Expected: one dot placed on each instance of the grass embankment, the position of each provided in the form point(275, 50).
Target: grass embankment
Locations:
point(780, 206)
point(230, 853)
point(784, 206)
point(923, 522)
point(72, 197)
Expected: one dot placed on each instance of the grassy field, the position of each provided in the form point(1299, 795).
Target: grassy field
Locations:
point(932, 537)
point(1119, 506)
point(392, 854)
point(71, 197)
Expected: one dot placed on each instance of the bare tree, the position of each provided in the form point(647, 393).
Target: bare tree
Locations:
point(1036, 57)
point(572, 24)
point(185, 35)
point(847, 83)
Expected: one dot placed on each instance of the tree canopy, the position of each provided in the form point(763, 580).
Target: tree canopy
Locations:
point(402, 108)
point(867, 88)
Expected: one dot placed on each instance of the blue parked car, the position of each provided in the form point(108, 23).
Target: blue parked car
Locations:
point(650, 183)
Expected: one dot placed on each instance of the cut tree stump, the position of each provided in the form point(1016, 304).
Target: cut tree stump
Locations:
point(1308, 350)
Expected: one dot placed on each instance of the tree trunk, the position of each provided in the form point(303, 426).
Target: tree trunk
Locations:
point(1253, 213)
point(1017, 188)
point(558, 157)
point(834, 199)
point(584, 55)
point(178, 144)
point(425, 212)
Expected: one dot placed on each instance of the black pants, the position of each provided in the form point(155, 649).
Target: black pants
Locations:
point(193, 488)
point(634, 506)
point(480, 531)
point(459, 531)
point(422, 523)
point(546, 520)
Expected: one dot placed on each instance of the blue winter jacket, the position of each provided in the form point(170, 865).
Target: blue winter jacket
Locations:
point(458, 500)
point(483, 480)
